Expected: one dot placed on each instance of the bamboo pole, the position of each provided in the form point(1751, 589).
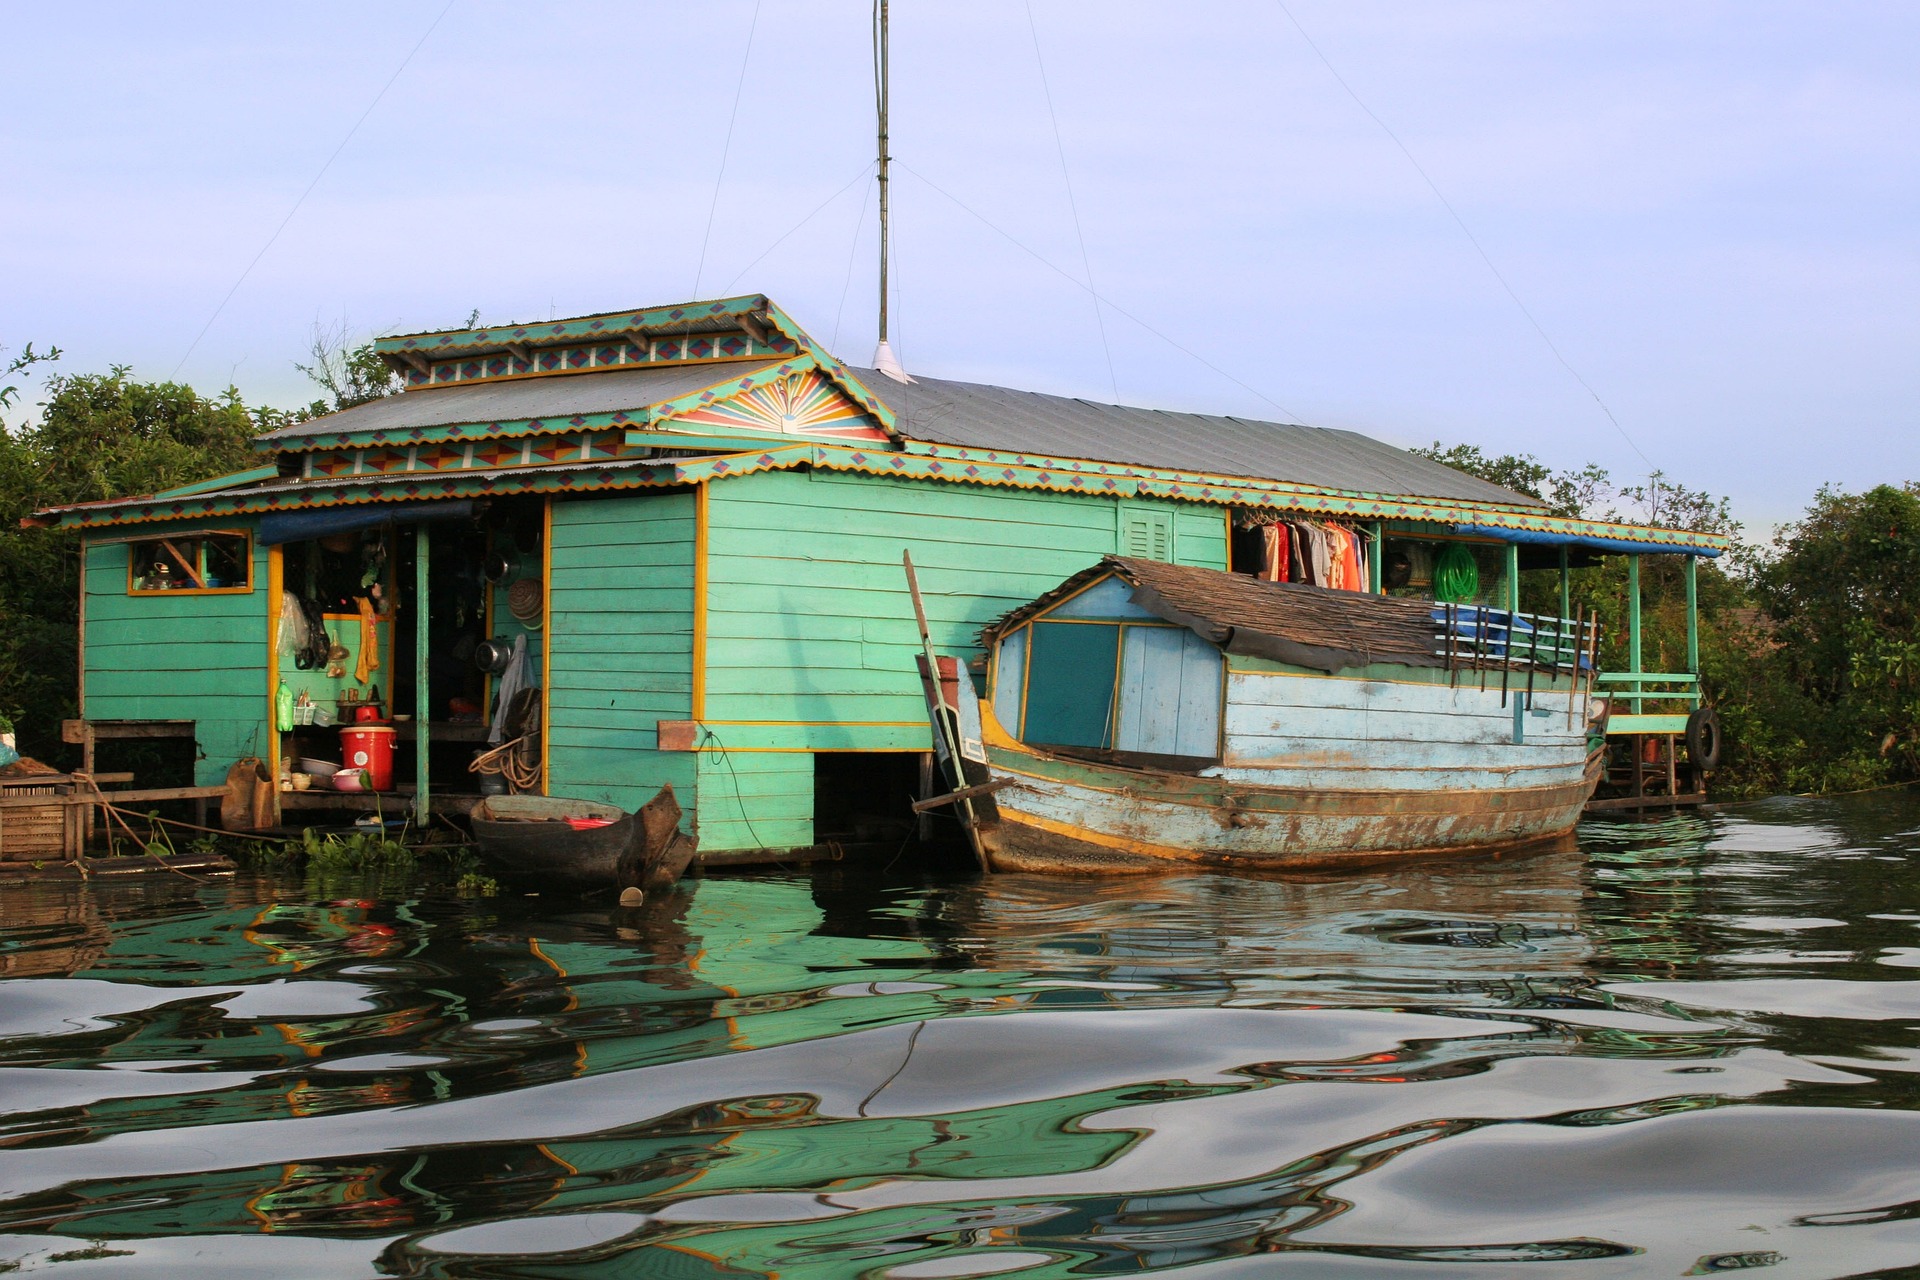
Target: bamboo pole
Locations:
point(937, 710)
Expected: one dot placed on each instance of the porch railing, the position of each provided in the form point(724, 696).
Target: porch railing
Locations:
point(1477, 638)
point(1674, 696)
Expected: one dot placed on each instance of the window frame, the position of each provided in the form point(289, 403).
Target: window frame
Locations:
point(134, 589)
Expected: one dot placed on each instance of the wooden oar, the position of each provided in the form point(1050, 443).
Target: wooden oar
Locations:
point(937, 709)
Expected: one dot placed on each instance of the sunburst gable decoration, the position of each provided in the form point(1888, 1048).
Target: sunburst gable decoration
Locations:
point(805, 404)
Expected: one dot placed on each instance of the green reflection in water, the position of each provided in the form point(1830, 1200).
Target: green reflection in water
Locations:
point(1557, 973)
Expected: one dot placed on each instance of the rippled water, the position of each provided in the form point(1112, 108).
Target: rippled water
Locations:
point(1688, 1046)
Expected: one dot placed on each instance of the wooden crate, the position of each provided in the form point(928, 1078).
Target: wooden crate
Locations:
point(36, 831)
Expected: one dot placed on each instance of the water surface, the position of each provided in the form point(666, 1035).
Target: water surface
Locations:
point(1687, 1046)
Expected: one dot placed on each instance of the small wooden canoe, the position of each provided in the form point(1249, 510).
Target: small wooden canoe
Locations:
point(561, 845)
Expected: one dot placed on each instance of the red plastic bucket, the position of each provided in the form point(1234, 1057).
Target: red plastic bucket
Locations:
point(370, 747)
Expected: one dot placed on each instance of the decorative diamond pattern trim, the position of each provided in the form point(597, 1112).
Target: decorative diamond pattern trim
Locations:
point(843, 458)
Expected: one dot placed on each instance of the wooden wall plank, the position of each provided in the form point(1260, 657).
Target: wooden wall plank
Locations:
point(622, 642)
point(179, 657)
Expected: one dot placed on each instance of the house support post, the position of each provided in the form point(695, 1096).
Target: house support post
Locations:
point(422, 547)
point(1633, 620)
point(1513, 577)
point(1376, 562)
point(1693, 615)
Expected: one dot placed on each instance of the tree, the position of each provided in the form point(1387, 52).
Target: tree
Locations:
point(1734, 656)
point(98, 436)
point(1842, 593)
point(349, 374)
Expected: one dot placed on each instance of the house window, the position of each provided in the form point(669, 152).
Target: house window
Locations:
point(194, 562)
point(1146, 533)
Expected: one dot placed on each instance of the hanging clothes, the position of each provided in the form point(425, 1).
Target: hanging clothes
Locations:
point(1320, 549)
point(369, 660)
point(1276, 552)
point(1349, 556)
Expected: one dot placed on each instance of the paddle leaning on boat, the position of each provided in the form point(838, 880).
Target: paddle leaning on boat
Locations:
point(1145, 715)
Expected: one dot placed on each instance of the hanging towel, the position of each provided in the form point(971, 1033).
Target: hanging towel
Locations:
point(512, 680)
point(369, 642)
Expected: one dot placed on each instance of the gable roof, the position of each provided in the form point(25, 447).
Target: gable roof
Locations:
point(989, 417)
point(517, 400)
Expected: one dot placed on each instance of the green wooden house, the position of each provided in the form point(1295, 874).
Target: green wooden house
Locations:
point(691, 519)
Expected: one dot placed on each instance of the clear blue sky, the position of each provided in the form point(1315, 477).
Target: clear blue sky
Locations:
point(1710, 207)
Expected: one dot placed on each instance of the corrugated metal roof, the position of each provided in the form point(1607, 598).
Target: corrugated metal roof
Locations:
point(968, 413)
point(518, 399)
point(963, 413)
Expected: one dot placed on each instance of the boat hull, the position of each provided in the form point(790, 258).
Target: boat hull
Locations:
point(1062, 815)
point(535, 848)
point(526, 840)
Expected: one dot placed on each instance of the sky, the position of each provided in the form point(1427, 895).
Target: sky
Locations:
point(1643, 235)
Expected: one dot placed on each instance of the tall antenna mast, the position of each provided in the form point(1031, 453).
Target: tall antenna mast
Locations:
point(883, 358)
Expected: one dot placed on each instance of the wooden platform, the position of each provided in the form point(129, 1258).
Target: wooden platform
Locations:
point(397, 802)
point(1616, 804)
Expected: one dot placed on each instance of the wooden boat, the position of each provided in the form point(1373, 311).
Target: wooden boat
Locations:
point(580, 845)
point(1146, 715)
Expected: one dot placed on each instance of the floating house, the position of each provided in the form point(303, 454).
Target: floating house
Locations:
point(682, 526)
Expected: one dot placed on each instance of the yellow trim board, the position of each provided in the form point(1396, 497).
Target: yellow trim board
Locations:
point(275, 596)
point(546, 643)
point(700, 540)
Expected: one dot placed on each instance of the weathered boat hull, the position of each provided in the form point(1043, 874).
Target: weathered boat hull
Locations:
point(1433, 775)
point(536, 848)
point(1066, 816)
point(526, 840)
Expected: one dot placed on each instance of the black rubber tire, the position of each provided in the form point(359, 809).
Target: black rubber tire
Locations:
point(1704, 739)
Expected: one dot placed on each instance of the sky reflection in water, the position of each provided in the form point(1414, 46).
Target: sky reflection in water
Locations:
point(1686, 1047)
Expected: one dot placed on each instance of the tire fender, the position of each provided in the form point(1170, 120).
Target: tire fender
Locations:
point(1704, 739)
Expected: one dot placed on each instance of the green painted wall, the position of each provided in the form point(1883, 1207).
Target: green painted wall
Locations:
point(622, 642)
point(185, 657)
point(808, 617)
point(754, 799)
point(809, 625)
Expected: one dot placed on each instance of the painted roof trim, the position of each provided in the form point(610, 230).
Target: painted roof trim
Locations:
point(1095, 479)
point(637, 418)
point(232, 480)
point(1108, 480)
point(606, 324)
point(748, 309)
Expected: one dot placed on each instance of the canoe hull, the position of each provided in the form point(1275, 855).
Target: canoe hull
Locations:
point(525, 840)
point(1063, 816)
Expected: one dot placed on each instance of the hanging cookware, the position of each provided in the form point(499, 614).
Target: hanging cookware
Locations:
point(491, 656)
point(499, 567)
point(524, 600)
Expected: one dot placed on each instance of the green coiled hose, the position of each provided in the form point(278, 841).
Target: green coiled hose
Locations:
point(1456, 577)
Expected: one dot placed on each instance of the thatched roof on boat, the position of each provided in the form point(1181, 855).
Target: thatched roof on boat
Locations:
point(1294, 623)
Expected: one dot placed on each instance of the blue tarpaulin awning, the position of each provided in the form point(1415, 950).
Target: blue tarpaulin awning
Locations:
point(1610, 546)
point(298, 526)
